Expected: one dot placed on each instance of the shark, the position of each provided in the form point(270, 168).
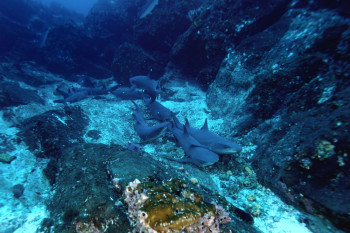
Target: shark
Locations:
point(150, 86)
point(43, 39)
point(72, 97)
point(196, 153)
point(213, 141)
point(92, 90)
point(148, 7)
point(76, 94)
point(146, 132)
point(126, 93)
point(157, 110)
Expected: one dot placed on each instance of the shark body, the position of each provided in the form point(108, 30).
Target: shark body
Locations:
point(157, 110)
point(150, 86)
point(146, 132)
point(196, 153)
point(126, 93)
point(77, 94)
point(213, 141)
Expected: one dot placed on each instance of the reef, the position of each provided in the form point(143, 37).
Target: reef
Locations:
point(171, 207)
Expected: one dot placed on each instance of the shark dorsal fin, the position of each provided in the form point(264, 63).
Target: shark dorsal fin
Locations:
point(187, 123)
point(205, 125)
point(147, 98)
point(186, 130)
point(135, 104)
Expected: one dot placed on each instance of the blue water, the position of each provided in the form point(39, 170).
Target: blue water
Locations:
point(79, 6)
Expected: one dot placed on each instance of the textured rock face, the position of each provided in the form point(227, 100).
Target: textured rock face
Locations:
point(217, 26)
point(49, 133)
point(285, 89)
point(89, 189)
point(131, 60)
point(11, 94)
point(134, 44)
point(277, 72)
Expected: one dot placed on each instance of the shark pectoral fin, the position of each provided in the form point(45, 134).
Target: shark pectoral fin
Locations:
point(197, 144)
point(182, 160)
point(224, 149)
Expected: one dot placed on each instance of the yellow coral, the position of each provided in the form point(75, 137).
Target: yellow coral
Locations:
point(174, 216)
point(169, 207)
point(173, 207)
point(325, 149)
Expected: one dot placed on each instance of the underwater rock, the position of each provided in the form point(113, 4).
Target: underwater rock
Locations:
point(86, 196)
point(171, 207)
point(18, 190)
point(289, 102)
point(111, 20)
point(76, 53)
point(23, 24)
point(157, 32)
point(11, 94)
point(27, 72)
point(131, 60)
point(5, 158)
point(47, 134)
point(199, 51)
point(94, 134)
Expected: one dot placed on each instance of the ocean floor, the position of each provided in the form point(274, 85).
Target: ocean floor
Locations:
point(114, 121)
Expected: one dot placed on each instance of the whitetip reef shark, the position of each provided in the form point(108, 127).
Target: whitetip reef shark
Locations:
point(208, 139)
point(157, 110)
point(146, 132)
point(195, 152)
point(76, 94)
point(150, 86)
point(213, 141)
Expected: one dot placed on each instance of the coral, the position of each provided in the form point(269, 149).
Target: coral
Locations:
point(171, 207)
point(324, 150)
point(84, 227)
point(255, 210)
